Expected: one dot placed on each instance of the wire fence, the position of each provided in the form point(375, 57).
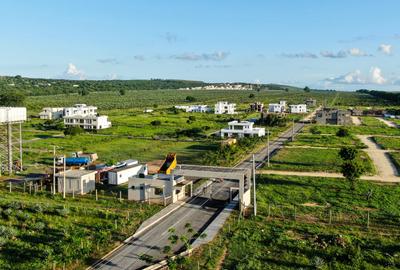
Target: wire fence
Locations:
point(364, 217)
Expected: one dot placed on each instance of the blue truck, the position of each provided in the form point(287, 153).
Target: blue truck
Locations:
point(74, 161)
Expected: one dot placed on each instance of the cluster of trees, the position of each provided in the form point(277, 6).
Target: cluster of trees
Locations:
point(11, 99)
point(33, 87)
point(272, 120)
point(389, 96)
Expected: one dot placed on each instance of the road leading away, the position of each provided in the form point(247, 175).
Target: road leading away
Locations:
point(198, 211)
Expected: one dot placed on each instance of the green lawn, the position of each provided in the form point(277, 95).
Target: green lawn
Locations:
point(41, 231)
point(391, 143)
point(310, 223)
point(362, 130)
point(372, 122)
point(321, 140)
point(395, 156)
point(309, 159)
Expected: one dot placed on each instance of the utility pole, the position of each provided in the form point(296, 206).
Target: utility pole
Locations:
point(293, 130)
point(65, 168)
point(268, 148)
point(20, 147)
point(54, 170)
point(254, 186)
point(9, 144)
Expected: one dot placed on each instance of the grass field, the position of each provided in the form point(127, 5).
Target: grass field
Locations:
point(308, 159)
point(370, 121)
point(390, 143)
point(310, 223)
point(331, 141)
point(362, 130)
point(41, 231)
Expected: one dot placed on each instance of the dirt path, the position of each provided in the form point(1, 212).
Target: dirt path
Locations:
point(329, 175)
point(383, 164)
point(388, 123)
point(356, 120)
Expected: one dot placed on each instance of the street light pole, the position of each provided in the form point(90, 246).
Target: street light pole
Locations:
point(268, 148)
point(54, 170)
point(254, 187)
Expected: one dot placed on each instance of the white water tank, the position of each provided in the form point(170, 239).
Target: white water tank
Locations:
point(12, 114)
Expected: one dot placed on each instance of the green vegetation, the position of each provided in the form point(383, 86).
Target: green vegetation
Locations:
point(11, 99)
point(390, 143)
point(309, 159)
point(326, 141)
point(362, 130)
point(395, 157)
point(372, 122)
point(343, 132)
point(42, 231)
point(310, 223)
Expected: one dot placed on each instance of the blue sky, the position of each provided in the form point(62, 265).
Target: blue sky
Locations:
point(326, 44)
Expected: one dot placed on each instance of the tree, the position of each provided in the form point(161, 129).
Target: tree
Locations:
point(251, 96)
point(12, 99)
point(343, 132)
point(307, 89)
point(352, 170)
point(122, 92)
point(190, 99)
point(192, 118)
point(348, 153)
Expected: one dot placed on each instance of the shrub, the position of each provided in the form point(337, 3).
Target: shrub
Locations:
point(343, 132)
point(155, 123)
point(190, 99)
point(315, 130)
point(73, 131)
point(251, 96)
point(192, 118)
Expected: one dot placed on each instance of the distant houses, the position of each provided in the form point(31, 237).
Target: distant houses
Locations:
point(257, 107)
point(194, 108)
point(298, 108)
point(277, 107)
point(80, 115)
point(242, 129)
point(224, 107)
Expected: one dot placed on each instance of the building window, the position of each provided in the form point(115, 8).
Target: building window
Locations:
point(158, 191)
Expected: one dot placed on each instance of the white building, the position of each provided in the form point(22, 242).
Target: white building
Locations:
point(193, 108)
point(80, 109)
point(51, 113)
point(89, 122)
point(159, 188)
point(76, 181)
point(223, 107)
point(121, 175)
point(277, 107)
point(298, 108)
point(242, 129)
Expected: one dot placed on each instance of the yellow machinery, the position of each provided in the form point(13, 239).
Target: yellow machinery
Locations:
point(169, 164)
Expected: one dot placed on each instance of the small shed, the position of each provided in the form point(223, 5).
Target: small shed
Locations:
point(121, 175)
point(77, 181)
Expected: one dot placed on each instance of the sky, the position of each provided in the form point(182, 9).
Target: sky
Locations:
point(337, 44)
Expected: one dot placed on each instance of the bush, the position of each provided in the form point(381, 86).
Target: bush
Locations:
point(155, 123)
point(343, 132)
point(73, 131)
point(315, 130)
point(190, 99)
point(251, 96)
point(192, 118)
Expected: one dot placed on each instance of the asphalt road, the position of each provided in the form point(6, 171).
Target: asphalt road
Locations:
point(198, 211)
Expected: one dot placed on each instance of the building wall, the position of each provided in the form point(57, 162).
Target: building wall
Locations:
point(122, 176)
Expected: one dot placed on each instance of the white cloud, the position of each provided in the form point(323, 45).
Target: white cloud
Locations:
point(329, 54)
point(300, 55)
point(358, 52)
point(73, 73)
point(215, 56)
point(386, 49)
point(375, 76)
